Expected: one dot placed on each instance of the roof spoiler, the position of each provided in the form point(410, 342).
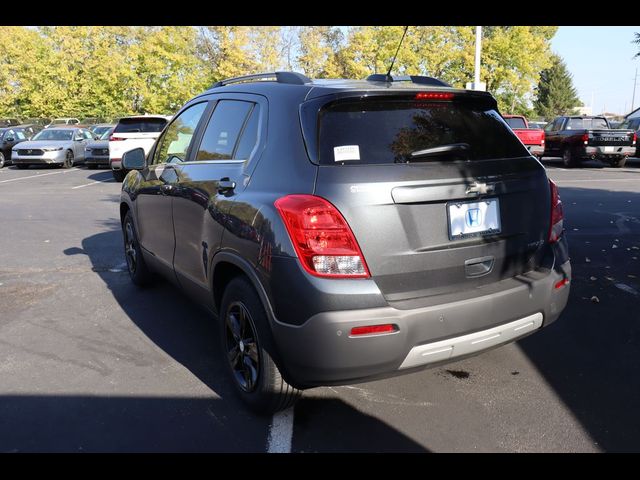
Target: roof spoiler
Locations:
point(421, 80)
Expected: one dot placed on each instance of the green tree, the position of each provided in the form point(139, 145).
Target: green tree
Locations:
point(320, 51)
point(556, 94)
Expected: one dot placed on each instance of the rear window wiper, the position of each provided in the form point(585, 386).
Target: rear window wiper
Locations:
point(443, 149)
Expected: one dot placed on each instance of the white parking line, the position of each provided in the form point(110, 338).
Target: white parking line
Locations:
point(281, 432)
point(85, 185)
point(34, 176)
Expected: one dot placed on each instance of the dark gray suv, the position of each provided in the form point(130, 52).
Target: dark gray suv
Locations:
point(342, 230)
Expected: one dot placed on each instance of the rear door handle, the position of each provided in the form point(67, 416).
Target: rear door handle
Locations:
point(226, 185)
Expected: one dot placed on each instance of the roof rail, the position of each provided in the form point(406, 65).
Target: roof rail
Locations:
point(422, 80)
point(292, 78)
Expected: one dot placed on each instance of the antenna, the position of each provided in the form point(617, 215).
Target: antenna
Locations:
point(389, 79)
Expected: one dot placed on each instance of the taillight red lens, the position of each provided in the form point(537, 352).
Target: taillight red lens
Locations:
point(321, 237)
point(434, 96)
point(373, 329)
point(113, 138)
point(635, 138)
point(585, 138)
point(542, 139)
point(557, 215)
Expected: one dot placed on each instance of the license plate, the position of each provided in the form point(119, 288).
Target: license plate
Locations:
point(609, 149)
point(469, 219)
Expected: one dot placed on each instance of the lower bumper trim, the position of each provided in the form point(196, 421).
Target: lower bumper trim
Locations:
point(471, 343)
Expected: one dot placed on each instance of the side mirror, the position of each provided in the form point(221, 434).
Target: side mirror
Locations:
point(134, 159)
point(10, 139)
point(78, 139)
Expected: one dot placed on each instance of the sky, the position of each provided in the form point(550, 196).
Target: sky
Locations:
point(602, 64)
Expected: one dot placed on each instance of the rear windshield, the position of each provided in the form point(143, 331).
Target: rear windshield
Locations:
point(587, 124)
point(55, 135)
point(388, 131)
point(133, 125)
point(515, 122)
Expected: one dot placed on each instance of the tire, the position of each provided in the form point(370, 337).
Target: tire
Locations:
point(246, 342)
point(1, 159)
point(119, 175)
point(136, 266)
point(22, 166)
point(68, 160)
point(568, 159)
point(618, 163)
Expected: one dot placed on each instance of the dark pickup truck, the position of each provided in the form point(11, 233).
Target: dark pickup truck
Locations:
point(581, 138)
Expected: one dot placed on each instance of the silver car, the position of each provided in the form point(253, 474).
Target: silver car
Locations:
point(63, 146)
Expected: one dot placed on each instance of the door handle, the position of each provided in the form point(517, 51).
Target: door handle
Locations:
point(166, 189)
point(226, 185)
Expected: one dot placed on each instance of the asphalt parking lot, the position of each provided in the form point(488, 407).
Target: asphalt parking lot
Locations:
point(90, 363)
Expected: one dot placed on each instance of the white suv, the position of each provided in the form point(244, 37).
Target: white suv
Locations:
point(133, 132)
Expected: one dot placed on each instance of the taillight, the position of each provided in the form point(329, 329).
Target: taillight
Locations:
point(374, 330)
point(113, 138)
point(321, 237)
point(585, 138)
point(434, 96)
point(557, 216)
point(635, 138)
point(542, 139)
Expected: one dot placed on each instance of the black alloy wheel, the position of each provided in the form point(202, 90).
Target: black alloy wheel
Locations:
point(242, 348)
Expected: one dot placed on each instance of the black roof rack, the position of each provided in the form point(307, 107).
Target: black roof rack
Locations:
point(380, 77)
point(292, 78)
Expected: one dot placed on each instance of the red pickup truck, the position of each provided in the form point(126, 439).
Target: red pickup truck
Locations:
point(532, 138)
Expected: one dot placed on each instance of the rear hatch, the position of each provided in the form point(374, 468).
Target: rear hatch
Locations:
point(530, 136)
point(132, 133)
point(471, 215)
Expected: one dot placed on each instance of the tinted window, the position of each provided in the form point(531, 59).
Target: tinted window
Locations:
point(219, 140)
point(99, 131)
point(515, 122)
point(133, 125)
point(249, 136)
point(56, 135)
point(87, 134)
point(388, 131)
point(20, 135)
point(175, 142)
point(586, 123)
point(106, 134)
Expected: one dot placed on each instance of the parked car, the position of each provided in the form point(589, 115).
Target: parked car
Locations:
point(41, 122)
point(9, 122)
point(132, 132)
point(56, 122)
point(97, 151)
point(344, 230)
point(581, 138)
point(532, 138)
point(632, 124)
point(62, 146)
point(93, 121)
point(538, 125)
point(9, 137)
point(99, 129)
point(30, 129)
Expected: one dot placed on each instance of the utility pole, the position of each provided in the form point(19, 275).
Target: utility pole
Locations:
point(635, 81)
point(477, 84)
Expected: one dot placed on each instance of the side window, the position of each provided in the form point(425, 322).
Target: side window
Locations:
point(20, 135)
point(174, 143)
point(87, 134)
point(249, 136)
point(224, 128)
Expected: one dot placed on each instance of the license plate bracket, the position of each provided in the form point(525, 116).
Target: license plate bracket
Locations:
point(475, 218)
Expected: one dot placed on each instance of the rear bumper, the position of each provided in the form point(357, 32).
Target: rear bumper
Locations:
point(115, 163)
point(536, 150)
point(322, 352)
point(605, 152)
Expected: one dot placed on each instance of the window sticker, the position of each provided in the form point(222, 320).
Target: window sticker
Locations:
point(346, 152)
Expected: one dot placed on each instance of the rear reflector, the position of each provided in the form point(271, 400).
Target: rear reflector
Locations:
point(116, 139)
point(561, 283)
point(321, 237)
point(374, 330)
point(557, 215)
point(434, 96)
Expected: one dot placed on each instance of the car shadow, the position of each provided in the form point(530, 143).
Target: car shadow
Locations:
point(189, 335)
point(102, 176)
point(591, 355)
